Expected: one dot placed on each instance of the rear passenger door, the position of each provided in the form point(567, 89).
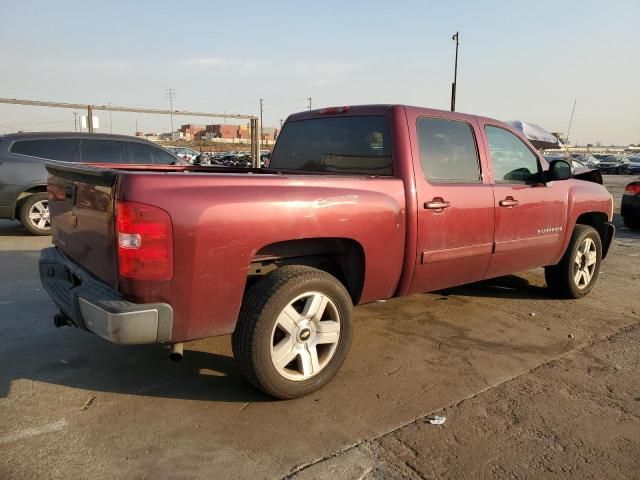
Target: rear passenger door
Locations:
point(530, 214)
point(103, 151)
point(455, 202)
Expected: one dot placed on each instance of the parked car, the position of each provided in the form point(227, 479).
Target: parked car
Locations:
point(359, 204)
point(23, 177)
point(630, 207)
point(587, 159)
point(633, 167)
point(185, 153)
point(612, 164)
point(580, 170)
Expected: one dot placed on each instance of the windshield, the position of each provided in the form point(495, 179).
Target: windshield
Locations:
point(355, 145)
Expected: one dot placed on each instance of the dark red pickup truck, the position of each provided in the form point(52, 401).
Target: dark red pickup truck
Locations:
point(358, 204)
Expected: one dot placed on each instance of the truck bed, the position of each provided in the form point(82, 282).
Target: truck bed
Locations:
point(224, 220)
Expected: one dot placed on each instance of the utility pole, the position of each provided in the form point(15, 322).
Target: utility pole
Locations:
point(110, 119)
point(260, 128)
point(571, 119)
point(309, 99)
point(455, 37)
point(75, 121)
point(90, 118)
point(171, 93)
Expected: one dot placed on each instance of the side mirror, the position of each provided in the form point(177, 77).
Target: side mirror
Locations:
point(559, 170)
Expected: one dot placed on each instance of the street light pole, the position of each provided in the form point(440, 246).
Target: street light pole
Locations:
point(455, 37)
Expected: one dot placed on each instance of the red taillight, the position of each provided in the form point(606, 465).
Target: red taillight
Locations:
point(332, 110)
point(632, 189)
point(145, 241)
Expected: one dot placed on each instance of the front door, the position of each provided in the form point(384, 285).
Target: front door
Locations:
point(530, 214)
point(455, 202)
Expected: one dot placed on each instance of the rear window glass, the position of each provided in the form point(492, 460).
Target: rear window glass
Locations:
point(354, 145)
point(63, 149)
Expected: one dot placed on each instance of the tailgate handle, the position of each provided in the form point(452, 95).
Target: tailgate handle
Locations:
point(70, 192)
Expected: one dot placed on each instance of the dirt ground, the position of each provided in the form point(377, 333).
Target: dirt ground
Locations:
point(531, 387)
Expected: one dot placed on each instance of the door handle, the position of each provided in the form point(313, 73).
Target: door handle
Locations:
point(508, 202)
point(437, 204)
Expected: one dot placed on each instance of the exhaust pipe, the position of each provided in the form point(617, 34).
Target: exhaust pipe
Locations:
point(176, 352)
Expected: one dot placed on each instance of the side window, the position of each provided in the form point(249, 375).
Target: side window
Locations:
point(145, 154)
point(513, 162)
point(448, 151)
point(63, 149)
point(102, 151)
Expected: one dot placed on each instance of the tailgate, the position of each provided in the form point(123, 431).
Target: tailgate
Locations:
point(81, 204)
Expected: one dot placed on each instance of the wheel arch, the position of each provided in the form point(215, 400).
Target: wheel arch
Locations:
point(26, 193)
point(600, 222)
point(344, 258)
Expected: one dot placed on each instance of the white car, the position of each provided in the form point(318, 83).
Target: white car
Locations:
point(185, 153)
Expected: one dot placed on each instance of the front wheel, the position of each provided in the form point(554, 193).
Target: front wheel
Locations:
point(577, 272)
point(34, 214)
point(293, 331)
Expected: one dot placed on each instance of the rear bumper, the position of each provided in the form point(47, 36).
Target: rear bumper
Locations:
point(92, 305)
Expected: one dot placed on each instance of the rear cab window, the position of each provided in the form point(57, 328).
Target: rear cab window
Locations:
point(359, 145)
point(62, 149)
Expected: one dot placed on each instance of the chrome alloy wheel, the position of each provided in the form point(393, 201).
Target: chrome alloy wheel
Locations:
point(39, 215)
point(305, 336)
point(584, 264)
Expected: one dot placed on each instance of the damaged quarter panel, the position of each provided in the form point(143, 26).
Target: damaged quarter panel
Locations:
point(221, 221)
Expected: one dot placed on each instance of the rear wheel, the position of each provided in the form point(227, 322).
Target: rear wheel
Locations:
point(577, 272)
point(34, 214)
point(293, 332)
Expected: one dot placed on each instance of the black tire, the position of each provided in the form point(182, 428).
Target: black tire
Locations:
point(253, 338)
point(31, 225)
point(560, 278)
point(631, 222)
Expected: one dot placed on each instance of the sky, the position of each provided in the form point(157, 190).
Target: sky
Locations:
point(517, 60)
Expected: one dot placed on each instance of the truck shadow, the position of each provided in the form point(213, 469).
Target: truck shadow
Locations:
point(510, 286)
point(140, 371)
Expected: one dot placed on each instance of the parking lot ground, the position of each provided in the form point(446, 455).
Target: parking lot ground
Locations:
point(515, 371)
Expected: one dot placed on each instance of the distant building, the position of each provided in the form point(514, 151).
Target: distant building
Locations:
point(191, 131)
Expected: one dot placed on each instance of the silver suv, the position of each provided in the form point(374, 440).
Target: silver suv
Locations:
point(23, 177)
